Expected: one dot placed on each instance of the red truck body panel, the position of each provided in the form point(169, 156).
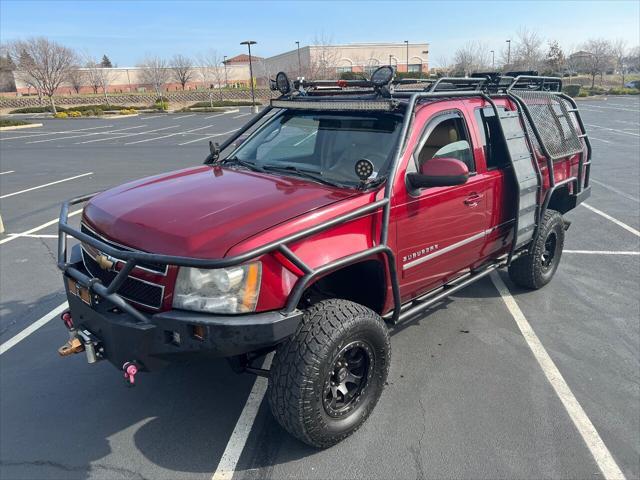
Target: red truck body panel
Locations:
point(211, 212)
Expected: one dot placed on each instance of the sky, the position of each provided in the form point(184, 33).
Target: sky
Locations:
point(129, 30)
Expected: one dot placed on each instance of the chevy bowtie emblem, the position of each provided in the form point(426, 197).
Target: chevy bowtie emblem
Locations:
point(104, 262)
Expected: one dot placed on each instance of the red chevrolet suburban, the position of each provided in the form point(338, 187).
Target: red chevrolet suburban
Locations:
point(340, 209)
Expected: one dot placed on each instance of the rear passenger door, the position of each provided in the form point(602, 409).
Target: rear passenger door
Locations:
point(441, 230)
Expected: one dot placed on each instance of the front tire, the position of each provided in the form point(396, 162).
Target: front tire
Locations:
point(327, 378)
point(535, 269)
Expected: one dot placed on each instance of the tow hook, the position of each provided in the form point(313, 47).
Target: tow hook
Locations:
point(130, 370)
point(73, 345)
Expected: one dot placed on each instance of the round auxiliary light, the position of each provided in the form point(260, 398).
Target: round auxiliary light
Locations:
point(282, 83)
point(364, 169)
point(382, 76)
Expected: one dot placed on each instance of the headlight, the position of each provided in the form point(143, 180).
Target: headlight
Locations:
point(221, 290)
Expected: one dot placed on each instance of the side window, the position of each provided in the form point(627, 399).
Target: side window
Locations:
point(494, 147)
point(449, 138)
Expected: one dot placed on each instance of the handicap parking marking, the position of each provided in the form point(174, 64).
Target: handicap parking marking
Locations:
point(583, 424)
point(44, 185)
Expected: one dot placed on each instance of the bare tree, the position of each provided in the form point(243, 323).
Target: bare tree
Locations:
point(182, 68)
point(619, 53)
point(597, 59)
point(77, 79)
point(99, 77)
point(528, 52)
point(322, 61)
point(44, 62)
point(555, 58)
point(470, 58)
point(212, 70)
point(155, 72)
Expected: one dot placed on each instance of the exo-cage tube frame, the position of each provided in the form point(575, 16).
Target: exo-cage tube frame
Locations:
point(132, 257)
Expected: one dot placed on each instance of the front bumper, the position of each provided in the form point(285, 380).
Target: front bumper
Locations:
point(161, 338)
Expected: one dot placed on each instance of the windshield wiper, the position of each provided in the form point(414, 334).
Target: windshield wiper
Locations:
point(311, 175)
point(242, 163)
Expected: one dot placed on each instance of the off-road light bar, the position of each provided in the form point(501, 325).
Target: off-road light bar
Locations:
point(364, 105)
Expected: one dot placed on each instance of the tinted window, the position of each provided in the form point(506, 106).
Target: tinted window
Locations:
point(492, 141)
point(448, 139)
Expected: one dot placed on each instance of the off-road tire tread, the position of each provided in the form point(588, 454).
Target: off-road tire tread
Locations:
point(525, 271)
point(300, 356)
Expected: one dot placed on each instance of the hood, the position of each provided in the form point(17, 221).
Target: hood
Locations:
point(202, 211)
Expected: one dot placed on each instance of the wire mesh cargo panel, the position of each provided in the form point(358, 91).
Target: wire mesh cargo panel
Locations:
point(553, 122)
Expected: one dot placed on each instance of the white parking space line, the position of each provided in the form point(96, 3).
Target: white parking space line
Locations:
point(45, 185)
point(614, 220)
point(613, 130)
point(241, 115)
point(167, 136)
point(236, 110)
point(13, 236)
point(55, 133)
point(184, 116)
point(235, 445)
point(32, 236)
point(615, 190)
point(591, 137)
point(7, 172)
point(87, 134)
point(13, 341)
point(589, 434)
point(601, 252)
point(125, 135)
point(637, 124)
point(602, 107)
point(204, 137)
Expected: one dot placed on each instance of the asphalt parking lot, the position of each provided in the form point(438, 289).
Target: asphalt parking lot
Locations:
point(467, 397)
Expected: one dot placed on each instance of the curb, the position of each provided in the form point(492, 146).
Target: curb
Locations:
point(18, 127)
point(115, 117)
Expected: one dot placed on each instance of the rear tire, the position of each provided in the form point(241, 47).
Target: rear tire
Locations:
point(327, 378)
point(534, 270)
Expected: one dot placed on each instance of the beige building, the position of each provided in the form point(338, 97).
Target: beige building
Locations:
point(320, 61)
point(314, 61)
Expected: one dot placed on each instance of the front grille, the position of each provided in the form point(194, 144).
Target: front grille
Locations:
point(153, 267)
point(132, 289)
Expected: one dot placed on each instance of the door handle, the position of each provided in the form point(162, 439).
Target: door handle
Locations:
point(473, 199)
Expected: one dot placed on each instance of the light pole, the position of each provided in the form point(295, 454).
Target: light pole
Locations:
point(224, 62)
point(299, 62)
point(248, 43)
point(509, 54)
point(493, 60)
point(407, 42)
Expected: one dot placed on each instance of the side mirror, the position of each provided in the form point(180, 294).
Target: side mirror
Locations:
point(214, 153)
point(439, 172)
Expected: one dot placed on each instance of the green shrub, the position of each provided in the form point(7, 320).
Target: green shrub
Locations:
point(37, 109)
point(88, 113)
point(61, 115)
point(623, 91)
point(164, 106)
point(571, 90)
point(350, 76)
point(128, 111)
point(98, 112)
point(4, 122)
point(583, 93)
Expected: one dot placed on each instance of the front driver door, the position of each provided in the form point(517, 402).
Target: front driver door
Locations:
point(441, 230)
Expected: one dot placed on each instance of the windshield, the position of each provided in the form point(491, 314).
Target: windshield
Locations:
point(326, 145)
